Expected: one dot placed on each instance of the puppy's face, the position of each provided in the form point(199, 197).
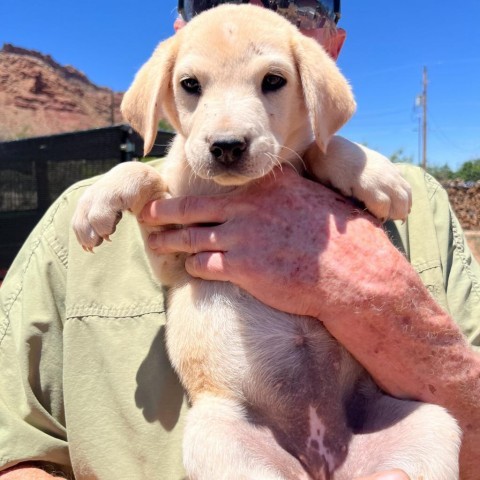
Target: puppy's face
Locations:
point(239, 102)
point(246, 91)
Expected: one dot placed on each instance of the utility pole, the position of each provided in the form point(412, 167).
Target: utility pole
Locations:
point(422, 101)
point(424, 95)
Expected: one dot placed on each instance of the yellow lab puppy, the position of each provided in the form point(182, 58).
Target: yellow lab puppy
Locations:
point(274, 396)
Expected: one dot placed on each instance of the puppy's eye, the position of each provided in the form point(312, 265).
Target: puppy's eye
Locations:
point(191, 85)
point(272, 83)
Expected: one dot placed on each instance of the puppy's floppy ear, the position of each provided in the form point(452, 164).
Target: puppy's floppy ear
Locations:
point(328, 96)
point(150, 97)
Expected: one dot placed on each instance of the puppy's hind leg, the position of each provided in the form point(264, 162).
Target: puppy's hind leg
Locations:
point(421, 439)
point(221, 444)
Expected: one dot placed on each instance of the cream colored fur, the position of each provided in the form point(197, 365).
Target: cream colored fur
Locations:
point(268, 400)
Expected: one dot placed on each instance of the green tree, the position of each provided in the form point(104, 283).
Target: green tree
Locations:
point(399, 157)
point(165, 126)
point(469, 171)
point(442, 174)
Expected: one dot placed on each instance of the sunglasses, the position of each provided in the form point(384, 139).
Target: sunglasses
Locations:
point(305, 14)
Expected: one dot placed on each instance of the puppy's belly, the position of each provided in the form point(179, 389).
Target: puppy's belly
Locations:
point(288, 372)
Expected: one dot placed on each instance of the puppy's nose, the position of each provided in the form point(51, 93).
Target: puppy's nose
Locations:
point(228, 151)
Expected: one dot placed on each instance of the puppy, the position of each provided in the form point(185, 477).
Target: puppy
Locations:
point(246, 92)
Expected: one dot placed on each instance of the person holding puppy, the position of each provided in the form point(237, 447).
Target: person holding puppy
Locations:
point(85, 385)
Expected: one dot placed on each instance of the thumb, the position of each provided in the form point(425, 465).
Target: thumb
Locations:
point(208, 266)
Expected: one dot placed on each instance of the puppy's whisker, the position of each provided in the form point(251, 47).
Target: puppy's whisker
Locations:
point(295, 167)
point(281, 161)
point(295, 154)
point(191, 175)
point(284, 160)
point(263, 171)
point(272, 157)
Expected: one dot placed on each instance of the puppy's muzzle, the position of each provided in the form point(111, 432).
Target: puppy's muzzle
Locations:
point(228, 151)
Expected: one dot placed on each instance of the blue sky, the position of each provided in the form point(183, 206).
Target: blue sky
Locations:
point(388, 44)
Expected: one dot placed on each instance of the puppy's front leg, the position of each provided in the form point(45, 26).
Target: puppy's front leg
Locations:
point(127, 186)
point(362, 173)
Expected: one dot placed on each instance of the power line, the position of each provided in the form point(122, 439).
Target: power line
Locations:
point(441, 135)
point(360, 114)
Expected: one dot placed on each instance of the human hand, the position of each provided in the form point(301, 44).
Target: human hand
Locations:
point(292, 243)
point(25, 472)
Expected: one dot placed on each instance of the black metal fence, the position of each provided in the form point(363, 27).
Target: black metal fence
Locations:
point(35, 171)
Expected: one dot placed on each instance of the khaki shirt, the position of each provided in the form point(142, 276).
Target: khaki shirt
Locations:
point(85, 382)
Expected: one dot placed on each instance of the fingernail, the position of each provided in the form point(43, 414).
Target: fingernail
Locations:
point(152, 240)
point(146, 213)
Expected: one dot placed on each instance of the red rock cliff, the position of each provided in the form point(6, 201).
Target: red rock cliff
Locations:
point(38, 96)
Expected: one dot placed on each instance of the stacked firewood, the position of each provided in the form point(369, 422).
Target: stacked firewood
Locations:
point(465, 199)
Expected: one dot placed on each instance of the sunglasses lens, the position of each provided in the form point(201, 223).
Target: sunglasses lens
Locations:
point(305, 14)
point(308, 14)
point(190, 8)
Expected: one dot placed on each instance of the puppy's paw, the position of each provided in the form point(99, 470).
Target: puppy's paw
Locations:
point(96, 217)
point(383, 190)
point(362, 173)
point(128, 186)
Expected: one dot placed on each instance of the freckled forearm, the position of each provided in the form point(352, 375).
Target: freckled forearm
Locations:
point(408, 343)
point(414, 349)
point(382, 313)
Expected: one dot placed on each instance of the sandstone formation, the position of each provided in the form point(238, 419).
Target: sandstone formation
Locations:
point(38, 96)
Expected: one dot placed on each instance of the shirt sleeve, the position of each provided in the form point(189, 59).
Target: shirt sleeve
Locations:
point(32, 420)
point(434, 242)
point(461, 269)
point(82, 350)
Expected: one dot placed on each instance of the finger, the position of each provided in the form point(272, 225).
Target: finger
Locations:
point(187, 240)
point(185, 210)
point(208, 266)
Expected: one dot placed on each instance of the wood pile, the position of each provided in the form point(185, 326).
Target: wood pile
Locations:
point(465, 200)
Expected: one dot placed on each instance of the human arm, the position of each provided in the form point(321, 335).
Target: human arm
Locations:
point(314, 253)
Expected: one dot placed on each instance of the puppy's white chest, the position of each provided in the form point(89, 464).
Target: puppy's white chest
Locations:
point(242, 347)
